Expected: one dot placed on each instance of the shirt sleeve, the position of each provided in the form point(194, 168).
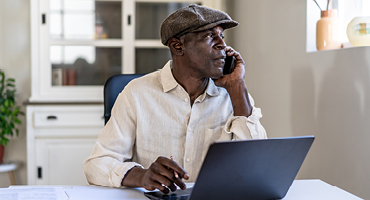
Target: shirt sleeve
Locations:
point(113, 150)
point(246, 127)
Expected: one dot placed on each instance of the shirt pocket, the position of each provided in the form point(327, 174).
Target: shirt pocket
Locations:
point(214, 135)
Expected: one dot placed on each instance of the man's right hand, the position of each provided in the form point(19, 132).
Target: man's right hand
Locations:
point(160, 175)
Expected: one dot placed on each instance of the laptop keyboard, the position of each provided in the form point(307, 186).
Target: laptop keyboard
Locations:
point(168, 196)
point(176, 197)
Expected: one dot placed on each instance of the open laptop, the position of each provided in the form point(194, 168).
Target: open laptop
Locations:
point(246, 169)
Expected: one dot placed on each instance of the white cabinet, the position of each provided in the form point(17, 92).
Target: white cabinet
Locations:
point(59, 138)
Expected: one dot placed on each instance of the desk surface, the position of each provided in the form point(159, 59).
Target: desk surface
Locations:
point(300, 190)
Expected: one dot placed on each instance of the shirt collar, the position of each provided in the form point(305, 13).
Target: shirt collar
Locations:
point(212, 89)
point(169, 82)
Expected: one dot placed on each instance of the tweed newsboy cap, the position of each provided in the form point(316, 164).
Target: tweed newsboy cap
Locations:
point(193, 18)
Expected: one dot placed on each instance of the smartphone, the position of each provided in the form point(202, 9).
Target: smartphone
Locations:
point(229, 63)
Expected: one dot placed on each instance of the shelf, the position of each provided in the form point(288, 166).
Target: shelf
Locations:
point(346, 11)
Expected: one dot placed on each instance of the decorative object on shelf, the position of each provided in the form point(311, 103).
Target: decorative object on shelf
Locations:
point(9, 112)
point(358, 31)
point(327, 36)
point(99, 28)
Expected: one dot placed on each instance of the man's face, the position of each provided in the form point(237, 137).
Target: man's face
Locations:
point(205, 51)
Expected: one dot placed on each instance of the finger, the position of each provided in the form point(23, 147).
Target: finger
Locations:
point(162, 180)
point(152, 185)
point(165, 190)
point(239, 62)
point(237, 56)
point(178, 169)
point(229, 50)
point(172, 187)
point(170, 181)
point(170, 164)
point(161, 187)
point(162, 172)
point(180, 183)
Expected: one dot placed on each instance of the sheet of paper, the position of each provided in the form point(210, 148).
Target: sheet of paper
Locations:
point(33, 193)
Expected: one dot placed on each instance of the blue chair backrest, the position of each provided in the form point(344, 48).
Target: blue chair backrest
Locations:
point(112, 87)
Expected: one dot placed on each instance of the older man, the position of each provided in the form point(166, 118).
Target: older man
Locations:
point(176, 112)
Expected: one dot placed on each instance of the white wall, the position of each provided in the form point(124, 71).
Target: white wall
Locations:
point(326, 94)
point(15, 61)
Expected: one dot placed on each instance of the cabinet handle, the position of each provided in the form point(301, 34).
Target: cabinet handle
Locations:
point(43, 18)
point(51, 117)
point(39, 172)
point(129, 19)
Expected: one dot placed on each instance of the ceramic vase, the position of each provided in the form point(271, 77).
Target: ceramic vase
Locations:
point(327, 36)
point(358, 31)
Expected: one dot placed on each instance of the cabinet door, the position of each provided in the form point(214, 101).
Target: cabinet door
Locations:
point(59, 161)
point(76, 46)
point(59, 138)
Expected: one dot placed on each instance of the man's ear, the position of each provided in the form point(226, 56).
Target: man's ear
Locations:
point(176, 46)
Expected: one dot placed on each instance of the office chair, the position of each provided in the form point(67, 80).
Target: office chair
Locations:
point(112, 87)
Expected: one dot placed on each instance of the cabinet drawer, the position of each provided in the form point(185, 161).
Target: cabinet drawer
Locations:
point(68, 118)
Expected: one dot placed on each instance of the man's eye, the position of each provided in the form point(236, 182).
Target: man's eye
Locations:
point(209, 36)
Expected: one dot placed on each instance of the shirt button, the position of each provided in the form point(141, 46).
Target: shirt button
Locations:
point(187, 159)
point(186, 100)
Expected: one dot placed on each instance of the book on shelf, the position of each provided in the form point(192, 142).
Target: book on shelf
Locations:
point(69, 76)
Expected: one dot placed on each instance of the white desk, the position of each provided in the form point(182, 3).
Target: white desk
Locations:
point(300, 190)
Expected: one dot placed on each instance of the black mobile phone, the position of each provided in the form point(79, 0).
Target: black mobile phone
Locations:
point(229, 63)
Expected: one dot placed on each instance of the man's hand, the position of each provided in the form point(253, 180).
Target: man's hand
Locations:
point(238, 73)
point(235, 85)
point(160, 175)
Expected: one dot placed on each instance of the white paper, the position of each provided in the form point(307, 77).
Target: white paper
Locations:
point(33, 193)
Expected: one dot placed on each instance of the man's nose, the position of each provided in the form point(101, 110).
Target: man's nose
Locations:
point(220, 43)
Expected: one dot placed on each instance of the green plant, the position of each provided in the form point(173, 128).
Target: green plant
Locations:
point(9, 112)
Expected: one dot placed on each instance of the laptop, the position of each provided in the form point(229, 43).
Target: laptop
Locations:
point(246, 169)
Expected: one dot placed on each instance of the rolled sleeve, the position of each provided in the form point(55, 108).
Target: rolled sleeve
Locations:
point(244, 128)
point(101, 176)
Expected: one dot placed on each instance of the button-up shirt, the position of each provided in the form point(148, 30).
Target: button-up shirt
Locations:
point(153, 117)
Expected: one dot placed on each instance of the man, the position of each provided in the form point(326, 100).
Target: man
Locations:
point(176, 112)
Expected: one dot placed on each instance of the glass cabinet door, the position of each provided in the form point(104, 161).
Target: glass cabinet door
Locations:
point(79, 20)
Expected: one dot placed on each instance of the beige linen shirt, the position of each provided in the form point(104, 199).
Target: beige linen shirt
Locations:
point(153, 117)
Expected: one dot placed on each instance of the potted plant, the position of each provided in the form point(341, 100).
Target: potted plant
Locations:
point(9, 112)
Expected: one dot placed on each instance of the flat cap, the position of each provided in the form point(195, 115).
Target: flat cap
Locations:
point(193, 18)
